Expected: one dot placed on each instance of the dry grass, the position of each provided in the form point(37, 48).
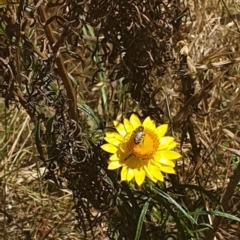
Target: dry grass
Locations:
point(214, 50)
point(33, 209)
point(198, 94)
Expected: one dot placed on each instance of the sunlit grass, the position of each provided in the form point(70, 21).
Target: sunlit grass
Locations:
point(188, 205)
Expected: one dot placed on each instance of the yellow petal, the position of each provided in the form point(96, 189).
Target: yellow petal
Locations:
point(149, 123)
point(167, 143)
point(109, 148)
point(114, 135)
point(124, 147)
point(114, 157)
point(166, 162)
point(120, 128)
point(149, 169)
point(133, 162)
point(130, 174)
point(161, 130)
point(114, 165)
point(124, 157)
point(172, 145)
point(134, 120)
point(139, 176)
point(166, 140)
point(167, 169)
point(152, 178)
point(113, 141)
point(157, 174)
point(128, 125)
point(156, 156)
point(124, 173)
point(170, 154)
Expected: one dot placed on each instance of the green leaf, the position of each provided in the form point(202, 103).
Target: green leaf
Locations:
point(141, 219)
point(38, 138)
point(89, 112)
point(172, 201)
point(217, 213)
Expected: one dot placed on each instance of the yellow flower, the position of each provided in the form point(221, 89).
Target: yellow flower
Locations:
point(141, 149)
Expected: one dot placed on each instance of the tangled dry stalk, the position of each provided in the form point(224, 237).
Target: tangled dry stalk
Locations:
point(68, 68)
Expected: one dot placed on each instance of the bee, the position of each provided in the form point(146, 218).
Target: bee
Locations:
point(138, 135)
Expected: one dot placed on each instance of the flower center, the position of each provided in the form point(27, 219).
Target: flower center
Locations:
point(146, 146)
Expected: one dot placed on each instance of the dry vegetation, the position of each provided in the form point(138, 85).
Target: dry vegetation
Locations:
point(68, 68)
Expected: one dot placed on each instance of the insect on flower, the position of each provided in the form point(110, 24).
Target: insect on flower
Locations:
point(138, 135)
point(153, 159)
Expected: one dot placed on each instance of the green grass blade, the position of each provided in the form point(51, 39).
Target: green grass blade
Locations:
point(141, 219)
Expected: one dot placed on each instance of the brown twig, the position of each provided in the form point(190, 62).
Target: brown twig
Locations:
point(224, 203)
point(61, 68)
